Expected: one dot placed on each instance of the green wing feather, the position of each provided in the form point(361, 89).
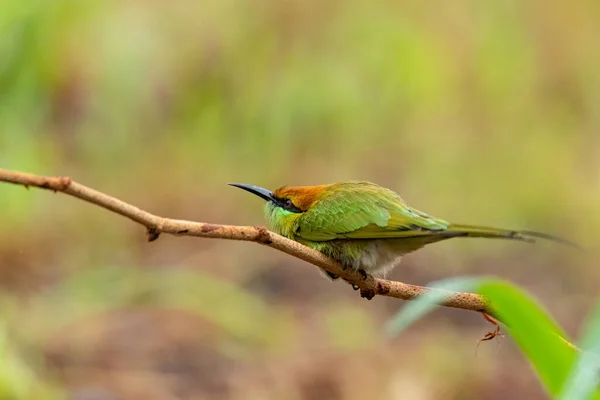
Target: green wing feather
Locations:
point(361, 210)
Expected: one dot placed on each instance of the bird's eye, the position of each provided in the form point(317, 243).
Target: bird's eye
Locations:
point(288, 203)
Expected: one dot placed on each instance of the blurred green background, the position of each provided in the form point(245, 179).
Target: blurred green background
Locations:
point(480, 112)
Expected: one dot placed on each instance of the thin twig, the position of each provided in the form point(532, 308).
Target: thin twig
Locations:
point(156, 225)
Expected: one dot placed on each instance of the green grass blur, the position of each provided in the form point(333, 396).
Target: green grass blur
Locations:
point(477, 112)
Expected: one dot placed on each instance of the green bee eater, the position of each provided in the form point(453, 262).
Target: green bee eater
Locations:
point(362, 225)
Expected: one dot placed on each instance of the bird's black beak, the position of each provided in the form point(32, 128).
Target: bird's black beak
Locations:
point(257, 190)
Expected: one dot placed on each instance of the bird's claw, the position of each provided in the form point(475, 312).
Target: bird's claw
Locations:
point(364, 293)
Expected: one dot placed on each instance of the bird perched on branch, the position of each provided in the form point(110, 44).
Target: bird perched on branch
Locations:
point(362, 225)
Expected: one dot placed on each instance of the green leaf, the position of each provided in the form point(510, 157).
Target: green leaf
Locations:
point(583, 380)
point(538, 336)
point(535, 332)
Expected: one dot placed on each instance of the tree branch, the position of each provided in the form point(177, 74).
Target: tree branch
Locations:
point(156, 225)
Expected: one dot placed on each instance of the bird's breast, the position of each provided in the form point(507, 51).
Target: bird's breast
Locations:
point(379, 258)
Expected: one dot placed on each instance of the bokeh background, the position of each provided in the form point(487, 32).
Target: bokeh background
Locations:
point(481, 112)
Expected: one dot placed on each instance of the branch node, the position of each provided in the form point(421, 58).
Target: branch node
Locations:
point(382, 289)
point(153, 234)
point(63, 183)
point(367, 293)
point(207, 228)
point(59, 184)
point(47, 184)
point(262, 235)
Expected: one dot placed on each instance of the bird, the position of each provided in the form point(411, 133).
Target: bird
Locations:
point(365, 226)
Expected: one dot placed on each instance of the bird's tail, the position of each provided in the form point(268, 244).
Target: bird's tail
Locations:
point(494, 233)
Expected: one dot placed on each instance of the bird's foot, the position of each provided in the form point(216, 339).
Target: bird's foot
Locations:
point(363, 273)
point(354, 286)
point(331, 275)
point(368, 294)
point(364, 293)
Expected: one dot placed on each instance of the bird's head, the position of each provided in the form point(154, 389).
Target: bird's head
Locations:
point(285, 205)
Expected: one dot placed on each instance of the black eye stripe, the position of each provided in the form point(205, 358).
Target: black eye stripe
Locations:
point(287, 204)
